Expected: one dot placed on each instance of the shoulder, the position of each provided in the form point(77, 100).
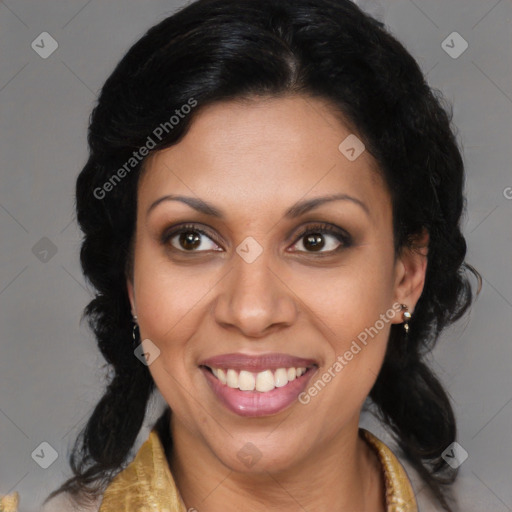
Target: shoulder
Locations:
point(399, 491)
point(401, 472)
point(424, 498)
point(64, 503)
point(147, 479)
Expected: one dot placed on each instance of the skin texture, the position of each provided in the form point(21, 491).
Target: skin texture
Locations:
point(254, 159)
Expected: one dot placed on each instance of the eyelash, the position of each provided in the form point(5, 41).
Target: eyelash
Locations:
point(319, 228)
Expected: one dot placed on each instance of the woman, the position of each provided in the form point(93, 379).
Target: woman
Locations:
point(271, 212)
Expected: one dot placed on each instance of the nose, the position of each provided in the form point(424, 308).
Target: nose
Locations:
point(254, 299)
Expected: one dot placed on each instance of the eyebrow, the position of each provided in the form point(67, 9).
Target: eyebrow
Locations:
point(299, 208)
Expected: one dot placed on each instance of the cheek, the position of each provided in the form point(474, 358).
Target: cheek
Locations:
point(168, 306)
point(170, 299)
point(352, 306)
point(348, 298)
point(339, 388)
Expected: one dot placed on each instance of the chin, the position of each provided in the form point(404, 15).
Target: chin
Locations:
point(259, 455)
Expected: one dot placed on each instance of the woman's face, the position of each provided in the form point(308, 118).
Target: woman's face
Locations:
point(244, 299)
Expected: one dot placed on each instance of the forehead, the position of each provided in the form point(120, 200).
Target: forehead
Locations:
point(264, 151)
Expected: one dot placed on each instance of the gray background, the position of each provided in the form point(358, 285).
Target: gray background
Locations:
point(50, 372)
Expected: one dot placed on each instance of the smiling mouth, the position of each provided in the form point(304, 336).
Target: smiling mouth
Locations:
point(263, 381)
point(257, 385)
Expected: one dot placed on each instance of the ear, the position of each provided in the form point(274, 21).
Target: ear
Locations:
point(131, 295)
point(411, 268)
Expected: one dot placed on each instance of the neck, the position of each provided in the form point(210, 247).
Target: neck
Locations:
point(344, 474)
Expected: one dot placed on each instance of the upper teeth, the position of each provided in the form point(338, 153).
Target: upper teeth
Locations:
point(262, 381)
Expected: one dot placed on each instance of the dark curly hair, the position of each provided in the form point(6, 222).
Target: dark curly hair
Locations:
point(214, 50)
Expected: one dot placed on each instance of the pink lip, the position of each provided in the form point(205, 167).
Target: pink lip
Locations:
point(256, 403)
point(256, 363)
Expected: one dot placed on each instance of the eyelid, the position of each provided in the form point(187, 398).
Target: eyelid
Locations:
point(323, 227)
point(341, 234)
point(167, 234)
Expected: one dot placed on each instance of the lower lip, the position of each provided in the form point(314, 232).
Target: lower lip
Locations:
point(255, 403)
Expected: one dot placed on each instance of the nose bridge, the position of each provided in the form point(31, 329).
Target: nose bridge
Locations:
point(253, 298)
point(253, 278)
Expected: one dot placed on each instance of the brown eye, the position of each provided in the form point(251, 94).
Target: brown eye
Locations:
point(314, 242)
point(323, 236)
point(189, 239)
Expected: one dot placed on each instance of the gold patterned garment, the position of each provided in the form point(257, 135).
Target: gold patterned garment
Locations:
point(9, 502)
point(146, 484)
